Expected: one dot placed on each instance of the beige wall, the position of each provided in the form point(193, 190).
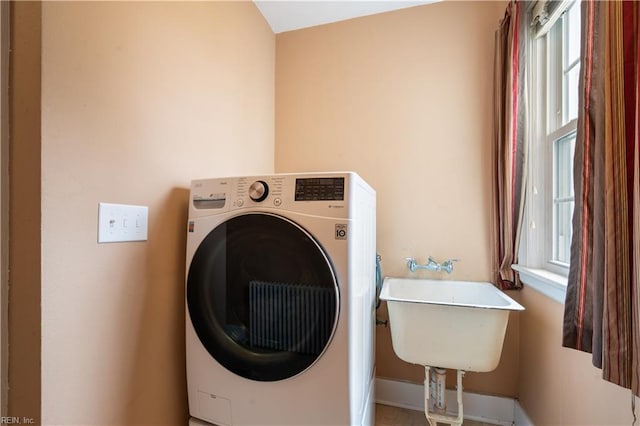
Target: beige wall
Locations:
point(404, 99)
point(559, 386)
point(138, 98)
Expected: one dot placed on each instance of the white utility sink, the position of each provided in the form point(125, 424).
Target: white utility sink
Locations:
point(449, 324)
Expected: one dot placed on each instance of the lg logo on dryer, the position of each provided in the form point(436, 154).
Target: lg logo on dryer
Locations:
point(341, 231)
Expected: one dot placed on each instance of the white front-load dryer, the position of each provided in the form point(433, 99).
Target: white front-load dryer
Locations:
point(280, 300)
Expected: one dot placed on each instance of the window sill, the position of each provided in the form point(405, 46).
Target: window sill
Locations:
point(552, 285)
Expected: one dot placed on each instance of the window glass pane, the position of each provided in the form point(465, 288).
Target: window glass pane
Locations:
point(571, 62)
point(564, 149)
point(573, 33)
point(571, 94)
point(563, 230)
point(563, 176)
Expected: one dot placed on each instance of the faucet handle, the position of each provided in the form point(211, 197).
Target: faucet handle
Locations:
point(447, 265)
point(411, 263)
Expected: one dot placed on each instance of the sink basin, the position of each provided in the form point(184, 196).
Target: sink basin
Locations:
point(449, 324)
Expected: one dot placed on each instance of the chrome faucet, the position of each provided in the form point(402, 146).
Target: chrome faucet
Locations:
point(431, 265)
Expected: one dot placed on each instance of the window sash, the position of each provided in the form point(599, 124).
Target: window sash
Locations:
point(553, 69)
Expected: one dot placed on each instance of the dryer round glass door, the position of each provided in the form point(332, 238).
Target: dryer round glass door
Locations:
point(262, 297)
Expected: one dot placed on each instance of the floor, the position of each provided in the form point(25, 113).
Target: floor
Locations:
point(394, 416)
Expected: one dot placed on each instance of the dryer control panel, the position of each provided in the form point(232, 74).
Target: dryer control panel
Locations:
point(324, 194)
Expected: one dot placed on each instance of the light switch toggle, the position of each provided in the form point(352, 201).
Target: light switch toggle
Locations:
point(122, 222)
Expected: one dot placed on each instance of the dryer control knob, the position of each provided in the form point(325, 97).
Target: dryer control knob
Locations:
point(258, 190)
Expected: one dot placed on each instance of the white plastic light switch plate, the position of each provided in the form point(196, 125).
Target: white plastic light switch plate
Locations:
point(122, 222)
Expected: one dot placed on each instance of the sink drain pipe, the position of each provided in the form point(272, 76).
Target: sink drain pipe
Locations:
point(435, 388)
point(378, 285)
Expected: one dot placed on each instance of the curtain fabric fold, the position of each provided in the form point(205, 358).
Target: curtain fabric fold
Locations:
point(509, 142)
point(603, 293)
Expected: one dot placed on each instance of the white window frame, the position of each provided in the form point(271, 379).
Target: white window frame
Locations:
point(537, 265)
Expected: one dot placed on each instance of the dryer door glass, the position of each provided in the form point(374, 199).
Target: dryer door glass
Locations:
point(262, 297)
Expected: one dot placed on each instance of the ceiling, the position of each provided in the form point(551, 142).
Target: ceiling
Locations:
point(288, 15)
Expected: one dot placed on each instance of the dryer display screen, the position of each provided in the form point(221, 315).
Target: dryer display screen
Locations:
point(319, 189)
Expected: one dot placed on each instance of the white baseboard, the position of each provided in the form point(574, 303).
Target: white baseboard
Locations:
point(483, 408)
